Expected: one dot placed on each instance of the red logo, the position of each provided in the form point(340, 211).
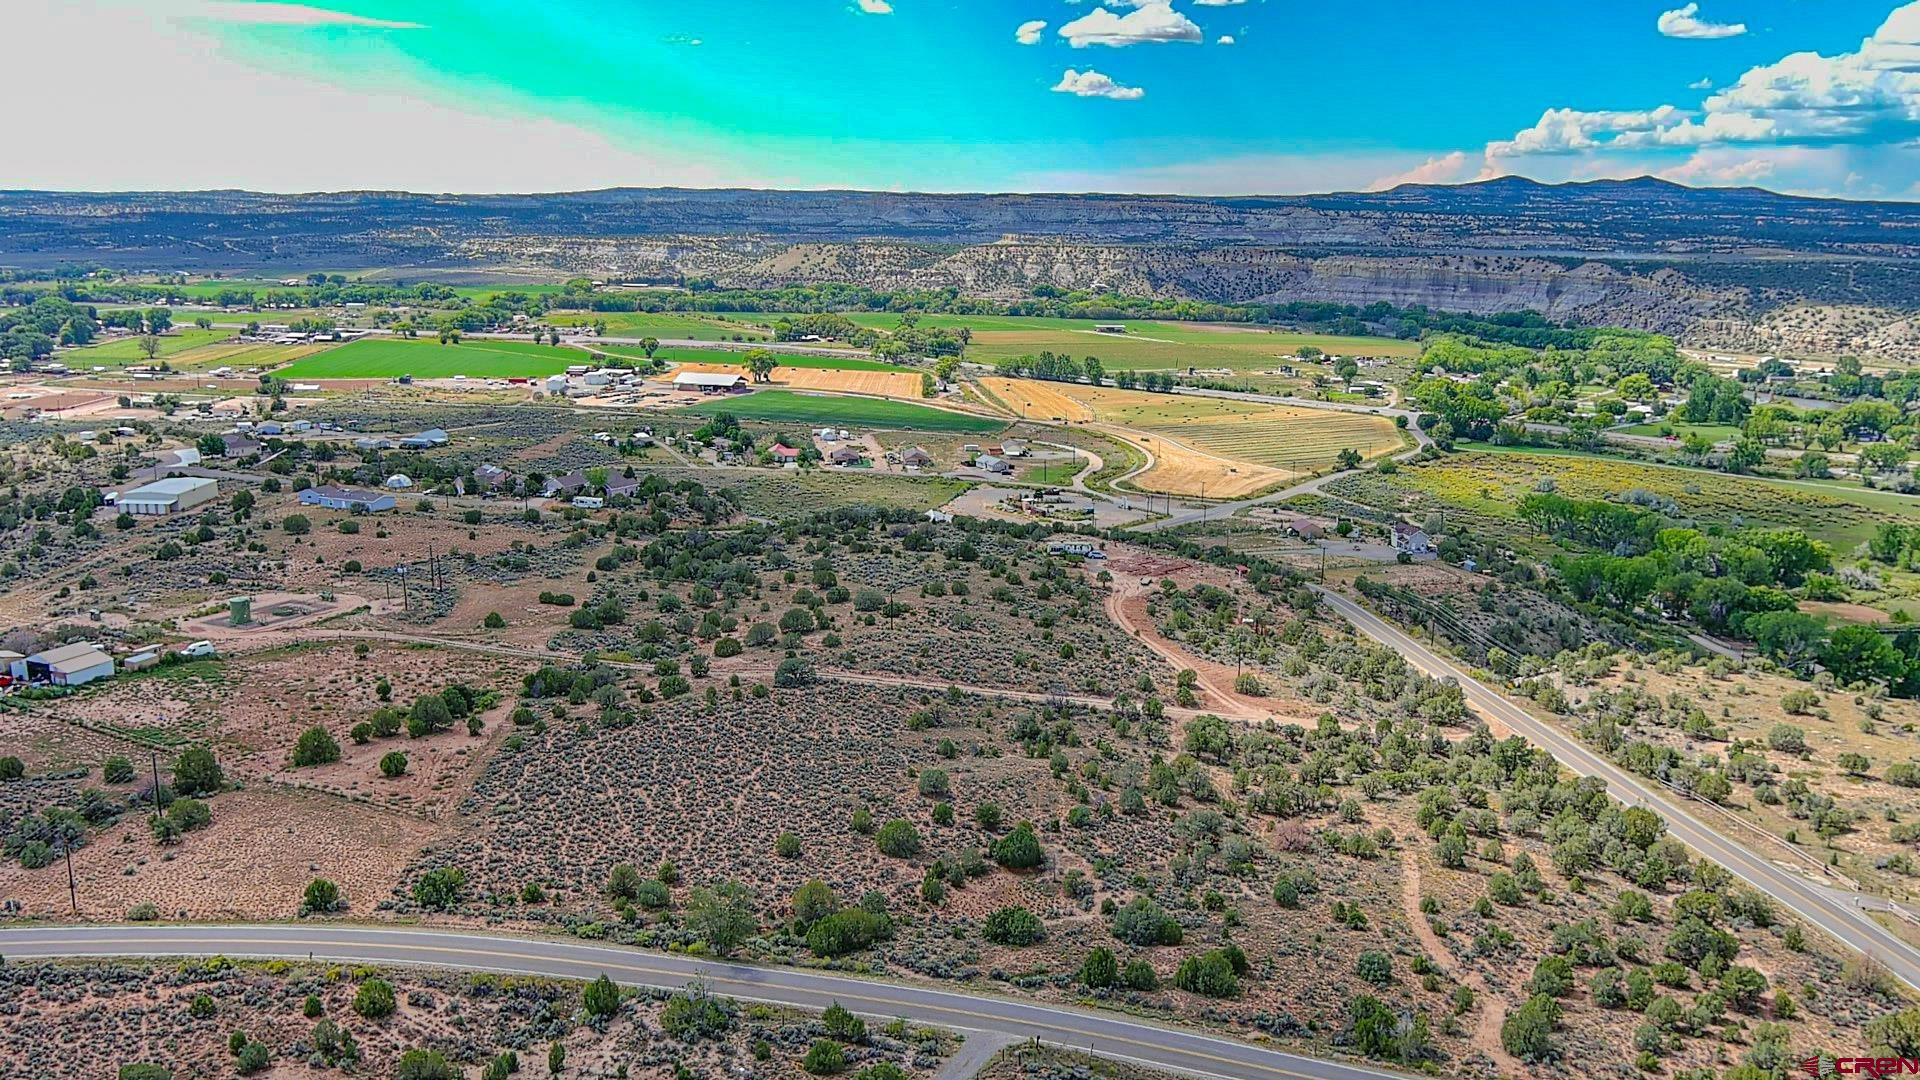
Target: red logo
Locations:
point(1876, 1068)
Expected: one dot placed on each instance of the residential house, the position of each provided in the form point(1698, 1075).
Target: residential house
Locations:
point(565, 484)
point(358, 500)
point(846, 456)
point(492, 479)
point(914, 457)
point(426, 440)
point(1410, 539)
point(1306, 528)
point(992, 464)
point(623, 485)
point(785, 455)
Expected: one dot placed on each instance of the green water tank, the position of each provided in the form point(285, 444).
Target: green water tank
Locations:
point(241, 608)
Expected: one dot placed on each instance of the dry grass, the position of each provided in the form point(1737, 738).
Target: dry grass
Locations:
point(1220, 447)
point(890, 384)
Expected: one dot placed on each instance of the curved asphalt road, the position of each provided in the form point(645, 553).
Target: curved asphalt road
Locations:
point(1837, 913)
point(1106, 1034)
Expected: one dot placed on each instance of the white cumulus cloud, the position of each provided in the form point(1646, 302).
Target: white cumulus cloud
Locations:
point(876, 7)
point(1702, 83)
point(1029, 32)
point(1685, 22)
point(1091, 83)
point(1151, 21)
point(1866, 96)
point(1227, 39)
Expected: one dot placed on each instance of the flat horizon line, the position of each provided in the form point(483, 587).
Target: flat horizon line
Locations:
point(1512, 180)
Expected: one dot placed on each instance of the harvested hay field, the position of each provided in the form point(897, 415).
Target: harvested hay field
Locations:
point(890, 384)
point(1232, 448)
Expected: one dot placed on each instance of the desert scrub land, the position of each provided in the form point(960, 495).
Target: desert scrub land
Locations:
point(1404, 887)
point(216, 1017)
point(1834, 771)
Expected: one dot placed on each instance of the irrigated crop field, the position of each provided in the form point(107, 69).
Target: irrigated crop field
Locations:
point(1230, 448)
point(386, 358)
point(1146, 345)
point(786, 406)
point(666, 324)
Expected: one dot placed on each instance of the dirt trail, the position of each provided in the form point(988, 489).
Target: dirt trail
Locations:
point(1126, 605)
point(1485, 1036)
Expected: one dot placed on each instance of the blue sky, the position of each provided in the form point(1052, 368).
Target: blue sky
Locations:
point(1199, 96)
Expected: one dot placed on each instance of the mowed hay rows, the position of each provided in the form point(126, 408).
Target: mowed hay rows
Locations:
point(1298, 440)
point(891, 384)
point(1220, 446)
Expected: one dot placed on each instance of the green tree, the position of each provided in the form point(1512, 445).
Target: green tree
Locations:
point(601, 998)
point(899, 839)
point(321, 897)
point(761, 363)
point(1019, 849)
point(1527, 1033)
point(374, 1000)
point(197, 772)
point(315, 747)
point(1859, 653)
point(722, 915)
point(440, 887)
point(425, 1065)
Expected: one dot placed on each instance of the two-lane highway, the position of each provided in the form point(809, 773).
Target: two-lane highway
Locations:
point(1839, 915)
point(1106, 1034)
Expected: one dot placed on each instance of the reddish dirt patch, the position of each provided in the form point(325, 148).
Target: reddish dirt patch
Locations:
point(253, 860)
point(1485, 1036)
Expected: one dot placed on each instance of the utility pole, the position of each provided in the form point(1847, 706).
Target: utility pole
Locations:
point(156, 780)
point(73, 887)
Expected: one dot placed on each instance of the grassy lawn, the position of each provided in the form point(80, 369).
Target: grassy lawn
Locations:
point(126, 351)
point(785, 406)
point(386, 358)
point(1661, 428)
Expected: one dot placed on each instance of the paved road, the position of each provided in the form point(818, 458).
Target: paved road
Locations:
point(996, 1018)
point(1837, 913)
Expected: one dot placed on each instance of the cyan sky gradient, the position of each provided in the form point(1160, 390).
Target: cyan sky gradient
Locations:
point(942, 95)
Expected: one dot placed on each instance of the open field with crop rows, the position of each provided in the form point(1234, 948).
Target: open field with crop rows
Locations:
point(1229, 448)
point(786, 406)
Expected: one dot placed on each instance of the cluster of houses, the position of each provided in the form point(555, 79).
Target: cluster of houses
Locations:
point(1405, 538)
point(993, 459)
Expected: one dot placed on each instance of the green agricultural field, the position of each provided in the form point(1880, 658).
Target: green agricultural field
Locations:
point(479, 358)
point(686, 355)
point(692, 326)
point(122, 352)
point(1147, 345)
point(786, 406)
